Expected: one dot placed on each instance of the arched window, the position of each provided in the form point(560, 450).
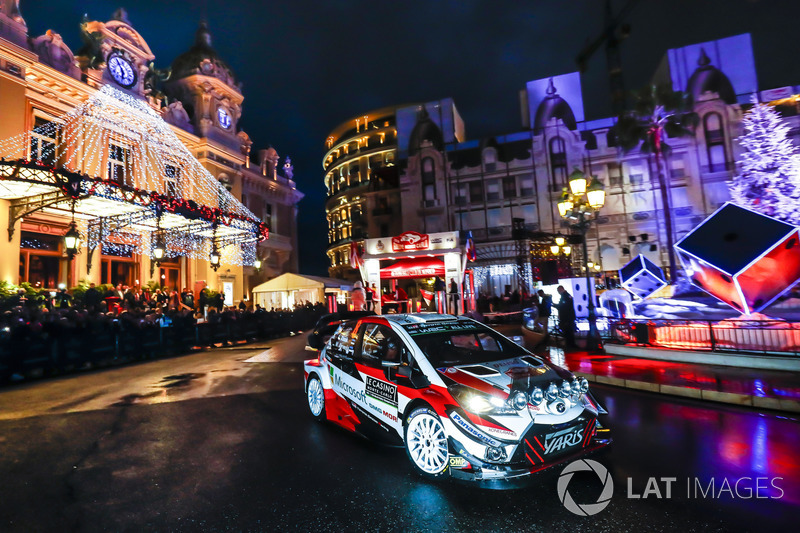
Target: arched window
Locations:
point(428, 181)
point(490, 159)
point(715, 142)
point(558, 163)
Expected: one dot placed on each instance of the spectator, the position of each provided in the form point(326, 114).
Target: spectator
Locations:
point(358, 297)
point(566, 317)
point(454, 296)
point(370, 296)
point(91, 298)
point(545, 305)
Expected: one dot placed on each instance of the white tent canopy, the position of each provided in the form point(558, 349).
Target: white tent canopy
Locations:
point(289, 289)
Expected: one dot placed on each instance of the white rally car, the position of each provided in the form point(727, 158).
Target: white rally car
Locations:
point(462, 399)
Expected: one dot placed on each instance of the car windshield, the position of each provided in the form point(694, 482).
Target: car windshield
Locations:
point(463, 344)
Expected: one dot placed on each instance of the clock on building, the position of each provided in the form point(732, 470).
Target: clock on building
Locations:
point(122, 71)
point(223, 117)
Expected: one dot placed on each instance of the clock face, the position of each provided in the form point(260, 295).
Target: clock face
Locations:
point(122, 71)
point(224, 118)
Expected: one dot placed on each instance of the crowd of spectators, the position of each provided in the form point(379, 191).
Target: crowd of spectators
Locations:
point(131, 322)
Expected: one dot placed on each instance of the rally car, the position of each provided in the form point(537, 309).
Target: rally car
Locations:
point(462, 399)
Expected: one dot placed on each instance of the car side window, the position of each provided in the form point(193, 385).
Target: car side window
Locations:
point(380, 343)
point(344, 340)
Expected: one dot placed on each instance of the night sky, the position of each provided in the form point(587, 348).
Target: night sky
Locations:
point(306, 66)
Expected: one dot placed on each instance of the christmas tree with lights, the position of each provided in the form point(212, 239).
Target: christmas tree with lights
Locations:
point(769, 182)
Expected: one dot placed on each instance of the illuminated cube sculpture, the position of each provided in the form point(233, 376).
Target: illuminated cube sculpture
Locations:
point(581, 293)
point(744, 258)
point(641, 276)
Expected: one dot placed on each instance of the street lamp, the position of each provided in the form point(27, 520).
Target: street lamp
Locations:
point(159, 250)
point(580, 205)
point(214, 258)
point(72, 240)
point(257, 264)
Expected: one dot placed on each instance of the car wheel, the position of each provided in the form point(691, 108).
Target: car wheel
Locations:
point(426, 442)
point(316, 397)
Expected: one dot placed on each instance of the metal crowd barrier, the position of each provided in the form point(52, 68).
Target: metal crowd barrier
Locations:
point(58, 347)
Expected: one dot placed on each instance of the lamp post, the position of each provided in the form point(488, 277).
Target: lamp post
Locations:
point(579, 205)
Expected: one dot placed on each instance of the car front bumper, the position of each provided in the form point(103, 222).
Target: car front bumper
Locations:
point(516, 475)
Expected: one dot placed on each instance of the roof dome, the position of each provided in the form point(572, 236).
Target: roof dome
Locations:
point(425, 130)
point(708, 78)
point(553, 106)
point(201, 58)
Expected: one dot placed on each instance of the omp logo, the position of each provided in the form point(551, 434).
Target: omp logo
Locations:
point(357, 395)
point(565, 438)
point(586, 509)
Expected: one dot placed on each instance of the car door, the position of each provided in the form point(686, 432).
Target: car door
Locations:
point(340, 353)
point(380, 345)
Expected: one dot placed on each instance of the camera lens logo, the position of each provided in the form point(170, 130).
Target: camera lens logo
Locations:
point(585, 509)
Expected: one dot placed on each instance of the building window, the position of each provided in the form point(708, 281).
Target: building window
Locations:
point(492, 190)
point(428, 181)
point(558, 164)
point(677, 168)
point(119, 163)
point(510, 187)
point(526, 185)
point(44, 141)
point(635, 175)
point(171, 174)
point(39, 259)
point(267, 218)
point(476, 192)
point(715, 142)
point(490, 160)
point(459, 194)
point(614, 175)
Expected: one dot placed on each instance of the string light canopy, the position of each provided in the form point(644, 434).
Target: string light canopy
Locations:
point(130, 177)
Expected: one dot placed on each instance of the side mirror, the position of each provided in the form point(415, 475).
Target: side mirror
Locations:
point(314, 341)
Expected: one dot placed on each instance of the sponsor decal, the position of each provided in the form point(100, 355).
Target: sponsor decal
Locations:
point(565, 438)
point(459, 462)
point(472, 430)
point(439, 327)
point(349, 390)
point(382, 391)
point(380, 246)
point(519, 372)
point(409, 241)
point(451, 370)
point(500, 432)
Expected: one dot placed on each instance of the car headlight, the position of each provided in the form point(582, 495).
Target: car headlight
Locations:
point(537, 396)
point(480, 403)
point(566, 390)
point(552, 392)
point(584, 385)
point(518, 400)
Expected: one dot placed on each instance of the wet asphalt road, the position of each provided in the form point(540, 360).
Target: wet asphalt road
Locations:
point(209, 442)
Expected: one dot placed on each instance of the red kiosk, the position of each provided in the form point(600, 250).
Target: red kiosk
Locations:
point(417, 256)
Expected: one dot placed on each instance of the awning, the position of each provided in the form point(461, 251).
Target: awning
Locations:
point(421, 267)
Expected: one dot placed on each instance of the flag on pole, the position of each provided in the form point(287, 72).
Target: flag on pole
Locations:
point(471, 255)
point(355, 256)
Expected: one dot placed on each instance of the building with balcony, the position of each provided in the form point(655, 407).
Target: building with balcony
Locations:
point(361, 181)
point(504, 188)
point(142, 168)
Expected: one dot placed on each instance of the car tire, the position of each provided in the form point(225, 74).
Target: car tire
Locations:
point(426, 443)
point(315, 395)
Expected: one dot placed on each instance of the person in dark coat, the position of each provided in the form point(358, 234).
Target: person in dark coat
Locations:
point(566, 317)
point(545, 305)
point(91, 298)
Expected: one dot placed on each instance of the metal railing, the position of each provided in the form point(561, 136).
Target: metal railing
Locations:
point(68, 346)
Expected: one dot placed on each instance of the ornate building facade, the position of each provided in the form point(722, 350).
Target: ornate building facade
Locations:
point(492, 186)
point(361, 180)
point(166, 142)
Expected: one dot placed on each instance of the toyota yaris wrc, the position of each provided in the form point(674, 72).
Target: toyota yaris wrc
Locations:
point(462, 399)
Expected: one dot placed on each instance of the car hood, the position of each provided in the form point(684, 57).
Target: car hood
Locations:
point(500, 378)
